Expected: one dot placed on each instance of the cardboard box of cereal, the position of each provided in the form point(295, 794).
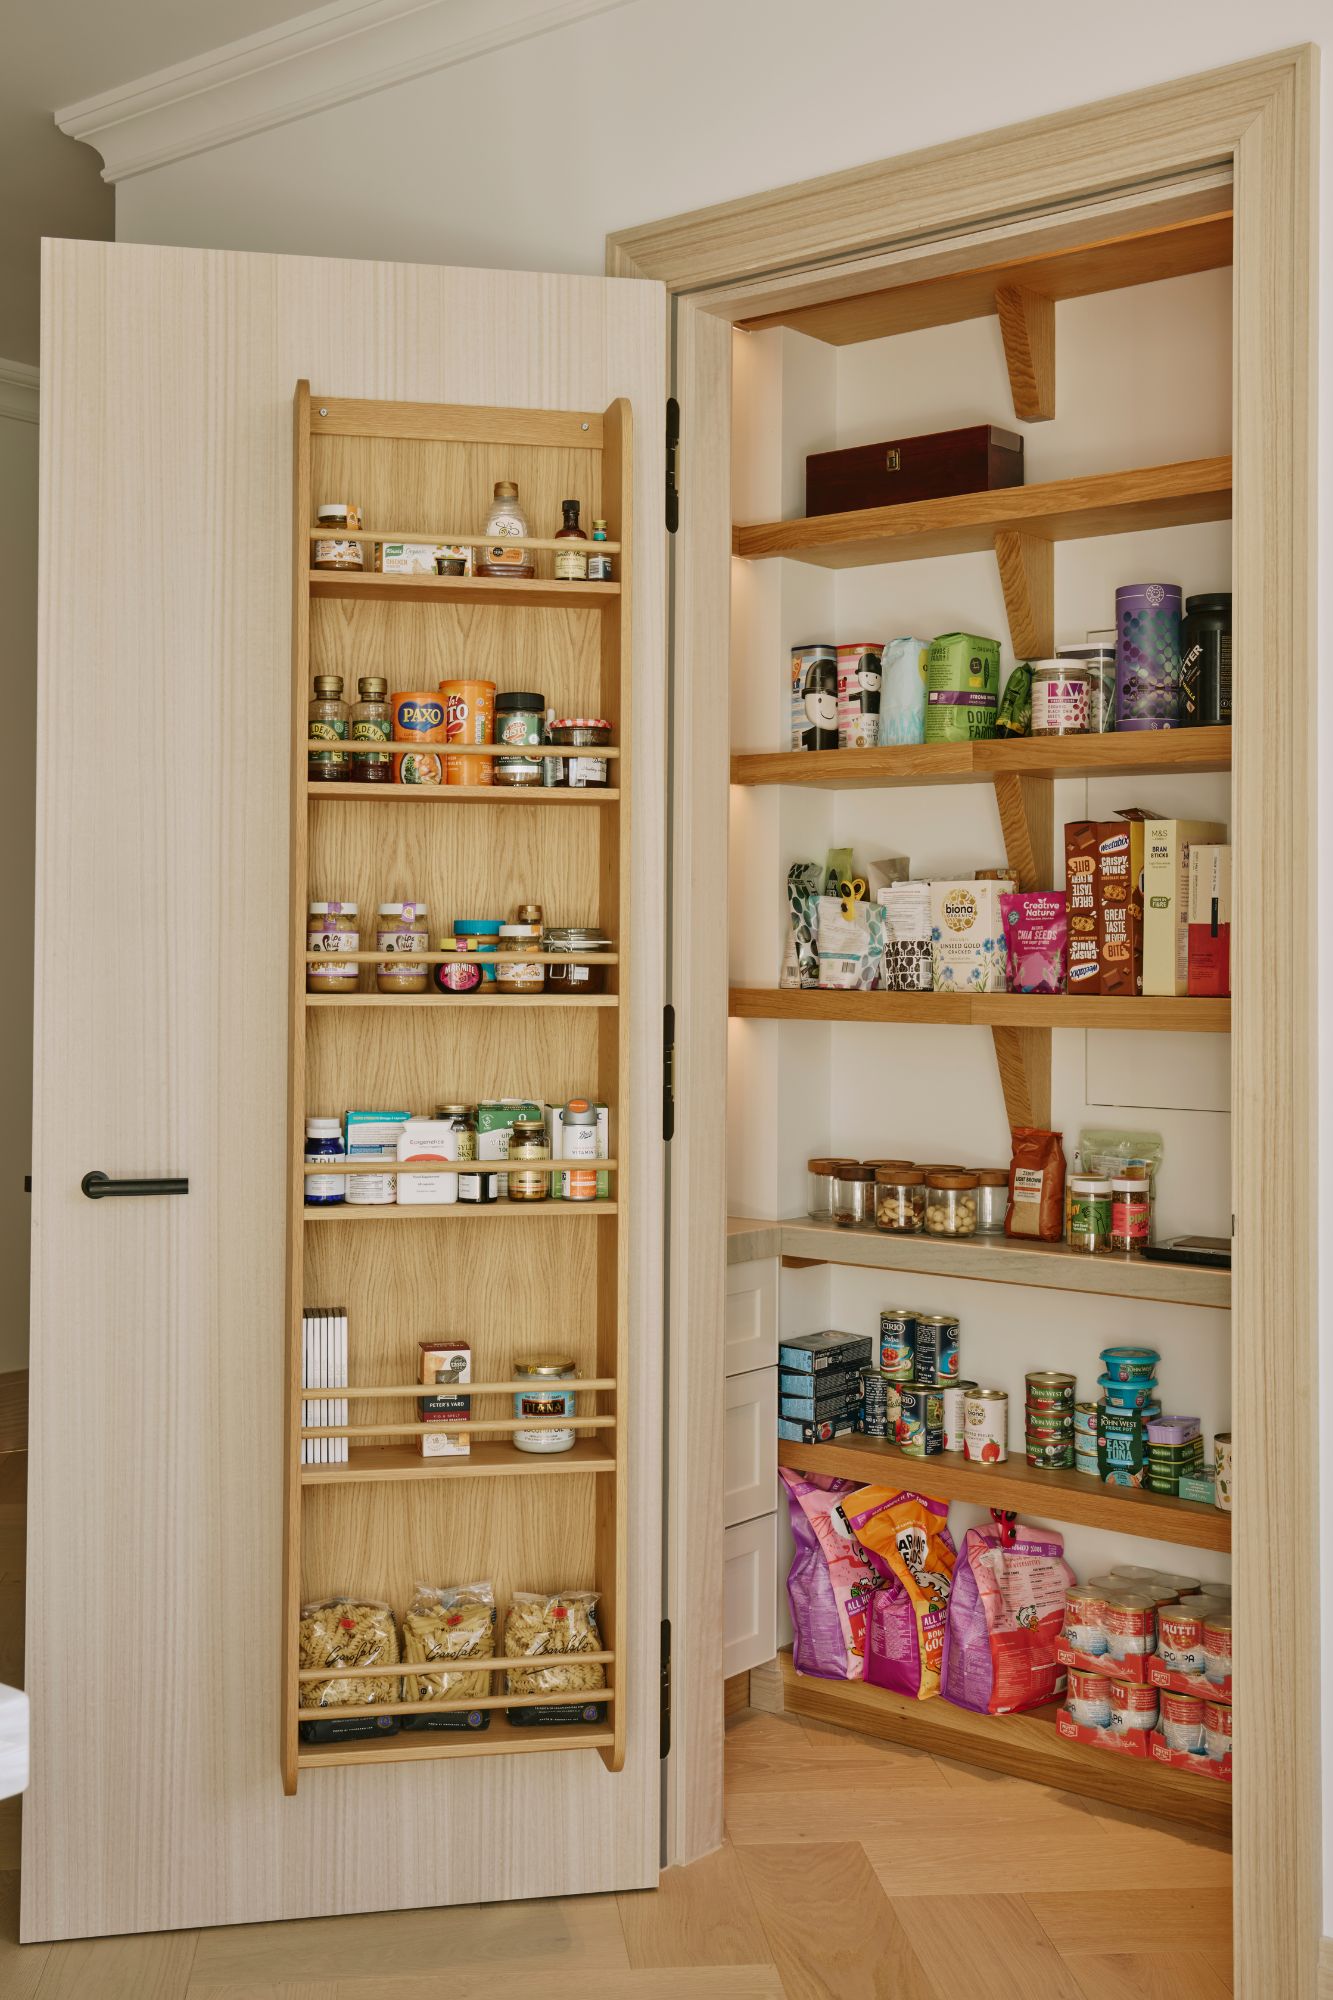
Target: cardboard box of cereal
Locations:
point(1166, 863)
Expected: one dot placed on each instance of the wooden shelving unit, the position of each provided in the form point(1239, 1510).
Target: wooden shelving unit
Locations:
point(1156, 753)
point(1146, 1013)
point(500, 1276)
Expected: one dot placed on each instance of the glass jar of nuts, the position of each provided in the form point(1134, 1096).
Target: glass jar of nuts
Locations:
point(951, 1204)
point(853, 1195)
point(900, 1200)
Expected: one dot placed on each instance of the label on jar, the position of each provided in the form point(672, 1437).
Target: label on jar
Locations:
point(327, 942)
point(585, 770)
point(599, 568)
point(1089, 1214)
point(1129, 1219)
point(571, 565)
point(338, 555)
point(520, 729)
point(1059, 707)
point(477, 1187)
point(399, 940)
point(370, 732)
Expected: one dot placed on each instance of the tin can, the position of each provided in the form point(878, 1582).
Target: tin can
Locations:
point(860, 678)
point(1217, 1647)
point(418, 719)
point(1133, 1706)
point(875, 1404)
point(1047, 1390)
point(1147, 676)
point(1222, 1469)
point(469, 717)
point(955, 1408)
point(1085, 1420)
point(1216, 1730)
point(814, 697)
point(920, 1419)
point(936, 1347)
point(1050, 1457)
point(897, 1343)
point(1051, 1429)
point(1089, 1699)
point(986, 1426)
point(1182, 1722)
point(1131, 1623)
point(1180, 1639)
point(1085, 1619)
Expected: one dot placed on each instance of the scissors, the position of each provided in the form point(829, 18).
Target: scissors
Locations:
point(852, 893)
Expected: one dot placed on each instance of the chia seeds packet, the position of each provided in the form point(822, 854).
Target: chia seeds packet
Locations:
point(1036, 940)
point(804, 881)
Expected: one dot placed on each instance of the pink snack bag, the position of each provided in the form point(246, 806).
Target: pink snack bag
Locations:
point(1036, 940)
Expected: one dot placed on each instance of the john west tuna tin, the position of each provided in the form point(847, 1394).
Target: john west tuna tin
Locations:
point(921, 1419)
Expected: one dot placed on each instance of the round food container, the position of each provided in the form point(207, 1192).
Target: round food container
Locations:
point(519, 719)
point(854, 1196)
point(479, 934)
point(1085, 1614)
point(897, 1343)
point(1059, 698)
point(920, 1419)
point(1133, 1707)
point(1131, 1575)
point(1086, 1463)
point(580, 732)
point(955, 1395)
point(1216, 1730)
point(900, 1200)
point(566, 977)
point(1085, 1419)
point(525, 974)
point(1130, 1364)
point(1182, 1722)
point(1131, 1214)
point(951, 1204)
point(819, 1187)
point(992, 1200)
point(1089, 1699)
point(545, 1398)
point(1050, 1457)
point(986, 1427)
point(1089, 1212)
point(469, 717)
point(1183, 1586)
point(1217, 1647)
point(1049, 1391)
point(1127, 1395)
point(403, 929)
point(1131, 1623)
point(331, 930)
point(418, 719)
point(936, 1347)
point(1180, 1639)
point(459, 976)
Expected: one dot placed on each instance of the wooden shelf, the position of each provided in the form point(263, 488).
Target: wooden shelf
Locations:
point(1019, 1746)
point(1145, 754)
point(1106, 503)
point(479, 997)
point(372, 1463)
point(454, 1167)
point(997, 1260)
point(1014, 1484)
point(462, 1211)
point(450, 538)
point(503, 1738)
point(519, 593)
point(320, 793)
point(1146, 1014)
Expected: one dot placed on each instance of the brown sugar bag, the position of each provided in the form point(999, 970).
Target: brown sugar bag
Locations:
point(1036, 1185)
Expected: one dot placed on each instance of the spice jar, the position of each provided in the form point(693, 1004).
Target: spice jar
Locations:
point(819, 1187)
point(853, 1195)
point(951, 1204)
point(526, 974)
point(564, 977)
point(1089, 1213)
point(324, 1142)
point(331, 930)
point(462, 1119)
point(338, 551)
point(327, 724)
point(402, 929)
point(900, 1200)
point(545, 1398)
point(1129, 1216)
point(372, 722)
point(528, 1141)
point(992, 1200)
point(580, 1140)
point(579, 732)
point(519, 719)
point(455, 975)
point(1059, 698)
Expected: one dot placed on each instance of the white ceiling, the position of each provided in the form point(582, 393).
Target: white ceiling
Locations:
point(57, 52)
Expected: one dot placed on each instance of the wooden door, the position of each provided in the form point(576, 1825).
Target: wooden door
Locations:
point(158, 1348)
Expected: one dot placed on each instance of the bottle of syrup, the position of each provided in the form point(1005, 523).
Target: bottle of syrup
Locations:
point(571, 564)
point(504, 523)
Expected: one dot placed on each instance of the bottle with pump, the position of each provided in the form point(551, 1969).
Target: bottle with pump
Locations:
point(571, 563)
point(504, 523)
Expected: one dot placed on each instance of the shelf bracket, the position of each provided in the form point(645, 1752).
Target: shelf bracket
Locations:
point(1027, 328)
point(801, 1263)
point(1023, 1058)
point(1027, 812)
point(1027, 578)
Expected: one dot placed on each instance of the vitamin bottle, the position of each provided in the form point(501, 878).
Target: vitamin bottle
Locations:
point(505, 523)
point(571, 563)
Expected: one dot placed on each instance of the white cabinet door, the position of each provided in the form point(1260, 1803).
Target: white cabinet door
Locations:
point(749, 1604)
point(750, 1330)
point(162, 942)
point(750, 1445)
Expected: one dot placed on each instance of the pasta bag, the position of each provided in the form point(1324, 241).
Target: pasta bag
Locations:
point(348, 1632)
point(445, 1623)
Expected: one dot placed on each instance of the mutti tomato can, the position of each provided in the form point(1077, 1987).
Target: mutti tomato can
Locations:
point(1217, 1730)
point(418, 719)
point(469, 717)
point(1133, 1706)
point(1182, 1722)
point(1180, 1639)
point(1089, 1699)
point(1131, 1623)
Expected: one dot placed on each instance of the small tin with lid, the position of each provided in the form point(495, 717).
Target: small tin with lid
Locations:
point(1050, 1393)
point(545, 1398)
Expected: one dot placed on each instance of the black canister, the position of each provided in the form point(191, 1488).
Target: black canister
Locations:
point(1205, 661)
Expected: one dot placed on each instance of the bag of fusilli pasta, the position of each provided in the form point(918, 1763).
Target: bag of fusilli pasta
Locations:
point(550, 1633)
point(449, 1623)
point(348, 1632)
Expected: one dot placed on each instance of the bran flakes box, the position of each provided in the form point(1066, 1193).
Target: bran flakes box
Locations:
point(967, 936)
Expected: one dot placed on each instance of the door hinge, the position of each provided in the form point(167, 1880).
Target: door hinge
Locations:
point(668, 1073)
point(665, 1696)
point(672, 465)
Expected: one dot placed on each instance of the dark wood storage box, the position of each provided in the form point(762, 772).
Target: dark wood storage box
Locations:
point(977, 459)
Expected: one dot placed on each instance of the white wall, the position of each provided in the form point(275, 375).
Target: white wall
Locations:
point(18, 678)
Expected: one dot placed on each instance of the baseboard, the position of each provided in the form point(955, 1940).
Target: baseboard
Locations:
point(1326, 1969)
point(735, 1694)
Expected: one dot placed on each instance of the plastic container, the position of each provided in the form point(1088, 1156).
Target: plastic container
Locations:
point(1059, 698)
point(1130, 1364)
point(324, 1142)
point(402, 928)
point(1131, 1213)
point(1089, 1214)
point(526, 974)
point(1097, 662)
point(332, 931)
point(478, 934)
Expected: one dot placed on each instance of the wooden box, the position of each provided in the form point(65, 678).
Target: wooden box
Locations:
point(976, 459)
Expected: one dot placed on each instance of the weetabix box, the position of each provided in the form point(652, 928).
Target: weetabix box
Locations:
point(1081, 898)
point(1120, 903)
point(1167, 844)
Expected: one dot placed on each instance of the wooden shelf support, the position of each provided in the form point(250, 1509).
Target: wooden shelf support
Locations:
point(1023, 1058)
point(1026, 563)
point(1027, 328)
point(1027, 821)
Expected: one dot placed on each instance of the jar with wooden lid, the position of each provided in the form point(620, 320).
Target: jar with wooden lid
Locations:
point(337, 549)
point(528, 1143)
point(951, 1204)
point(525, 974)
point(853, 1195)
point(402, 930)
point(819, 1187)
point(900, 1200)
point(544, 1396)
point(992, 1200)
point(332, 930)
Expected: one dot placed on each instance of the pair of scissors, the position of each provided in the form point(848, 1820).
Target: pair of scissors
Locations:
point(852, 893)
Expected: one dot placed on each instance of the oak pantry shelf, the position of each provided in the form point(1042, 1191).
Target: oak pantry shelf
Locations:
point(510, 1278)
point(1145, 1013)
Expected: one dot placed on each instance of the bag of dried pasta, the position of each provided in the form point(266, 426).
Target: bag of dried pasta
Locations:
point(348, 1632)
point(449, 1623)
point(550, 1633)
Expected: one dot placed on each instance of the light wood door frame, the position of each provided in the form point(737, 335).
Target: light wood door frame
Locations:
point(858, 231)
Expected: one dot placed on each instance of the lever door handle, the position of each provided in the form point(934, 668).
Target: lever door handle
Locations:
point(96, 1184)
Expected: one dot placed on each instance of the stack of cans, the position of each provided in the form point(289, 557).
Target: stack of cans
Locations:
point(1128, 1383)
point(919, 1383)
point(1085, 1439)
point(1050, 1420)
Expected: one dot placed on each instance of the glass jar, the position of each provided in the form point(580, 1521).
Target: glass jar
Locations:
point(1059, 698)
point(463, 1120)
point(545, 1398)
point(338, 550)
point(580, 732)
point(327, 724)
point(519, 718)
point(1089, 1214)
point(568, 978)
point(527, 1142)
point(372, 722)
point(853, 1195)
point(951, 1204)
point(1096, 662)
point(1129, 1216)
point(402, 929)
point(526, 974)
point(324, 1142)
point(580, 1139)
point(992, 1200)
point(478, 934)
point(900, 1200)
point(458, 975)
point(332, 931)
point(480, 1188)
point(819, 1187)
point(599, 564)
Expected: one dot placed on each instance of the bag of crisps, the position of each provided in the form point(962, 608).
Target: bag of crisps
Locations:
point(907, 1539)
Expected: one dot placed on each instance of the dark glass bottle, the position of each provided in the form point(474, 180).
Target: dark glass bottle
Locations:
point(571, 564)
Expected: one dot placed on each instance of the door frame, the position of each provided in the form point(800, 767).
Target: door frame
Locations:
point(842, 234)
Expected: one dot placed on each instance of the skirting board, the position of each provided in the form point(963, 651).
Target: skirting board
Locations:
point(1326, 1969)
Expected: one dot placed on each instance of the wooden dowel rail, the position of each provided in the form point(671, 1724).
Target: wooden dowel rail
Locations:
point(505, 1166)
point(493, 1663)
point(333, 534)
point(565, 1382)
point(319, 746)
point(449, 1426)
point(400, 958)
point(575, 1697)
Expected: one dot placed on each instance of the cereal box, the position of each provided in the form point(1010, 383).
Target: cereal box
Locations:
point(1084, 972)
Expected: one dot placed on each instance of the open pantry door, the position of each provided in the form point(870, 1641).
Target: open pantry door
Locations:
point(168, 790)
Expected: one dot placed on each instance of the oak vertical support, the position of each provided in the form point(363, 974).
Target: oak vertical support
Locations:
point(1027, 578)
point(1027, 814)
point(1027, 328)
point(1023, 1058)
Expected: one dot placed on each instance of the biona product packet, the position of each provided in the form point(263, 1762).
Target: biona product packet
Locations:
point(1036, 940)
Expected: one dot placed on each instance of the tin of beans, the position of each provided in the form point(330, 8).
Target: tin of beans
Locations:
point(920, 1419)
point(897, 1343)
point(1049, 1390)
point(936, 1348)
point(955, 1413)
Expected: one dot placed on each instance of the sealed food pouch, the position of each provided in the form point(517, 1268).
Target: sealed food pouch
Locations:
point(831, 1580)
point(907, 1539)
point(449, 1623)
point(549, 1633)
point(1036, 940)
point(804, 880)
point(902, 703)
point(851, 947)
point(1006, 1613)
point(348, 1632)
point(1036, 1186)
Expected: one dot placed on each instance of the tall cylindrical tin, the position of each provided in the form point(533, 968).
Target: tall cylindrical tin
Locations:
point(814, 697)
point(897, 1343)
point(986, 1426)
point(860, 678)
point(955, 1395)
point(1147, 660)
point(920, 1419)
point(936, 1347)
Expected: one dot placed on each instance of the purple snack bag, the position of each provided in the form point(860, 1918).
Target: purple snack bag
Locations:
point(1036, 940)
point(819, 1640)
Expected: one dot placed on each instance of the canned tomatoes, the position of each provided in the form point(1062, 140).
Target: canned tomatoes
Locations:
point(418, 718)
point(1085, 1619)
point(897, 1343)
point(1131, 1620)
point(1180, 1639)
point(986, 1426)
point(1182, 1722)
point(469, 717)
point(936, 1347)
point(1217, 1647)
point(955, 1396)
point(1217, 1730)
point(920, 1419)
point(1133, 1706)
point(1089, 1699)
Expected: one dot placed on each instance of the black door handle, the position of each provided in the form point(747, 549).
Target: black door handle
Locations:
point(96, 1184)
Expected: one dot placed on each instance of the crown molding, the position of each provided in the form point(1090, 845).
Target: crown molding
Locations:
point(332, 55)
point(18, 391)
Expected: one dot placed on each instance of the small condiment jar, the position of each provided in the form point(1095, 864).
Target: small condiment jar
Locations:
point(992, 1200)
point(1089, 1214)
point(331, 930)
point(338, 550)
point(402, 929)
point(581, 732)
point(1059, 698)
point(519, 718)
point(478, 934)
point(900, 1200)
point(853, 1195)
point(324, 1141)
point(327, 726)
point(372, 722)
point(522, 975)
point(458, 975)
point(568, 978)
point(1130, 1212)
point(463, 1118)
point(951, 1204)
point(528, 1142)
point(545, 1398)
point(580, 1139)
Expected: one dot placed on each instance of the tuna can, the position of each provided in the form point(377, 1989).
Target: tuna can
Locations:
point(1050, 1457)
point(1051, 1392)
point(1216, 1730)
point(986, 1426)
point(1085, 1619)
point(1217, 1647)
point(1089, 1699)
point(936, 1347)
point(1182, 1722)
point(1133, 1707)
point(875, 1404)
point(1085, 1419)
point(920, 1419)
point(1131, 1624)
point(1086, 1463)
point(955, 1407)
point(897, 1343)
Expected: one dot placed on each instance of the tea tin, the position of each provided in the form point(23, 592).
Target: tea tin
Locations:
point(920, 1419)
point(936, 1348)
point(897, 1343)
